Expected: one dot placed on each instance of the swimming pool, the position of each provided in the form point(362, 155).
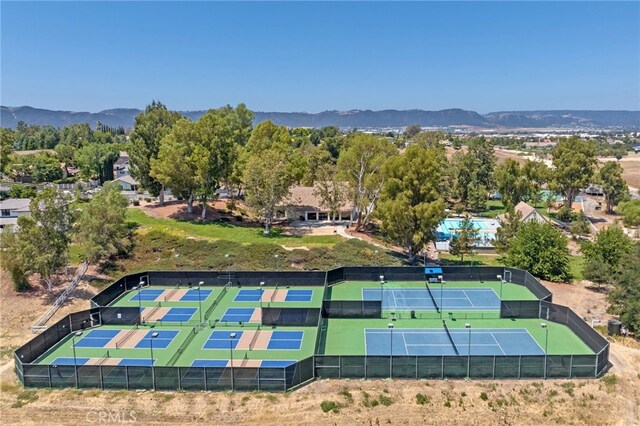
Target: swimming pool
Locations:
point(486, 230)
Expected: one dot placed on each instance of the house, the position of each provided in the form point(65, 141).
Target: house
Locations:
point(527, 212)
point(11, 209)
point(127, 183)
point(121, 166)
point(636, 149)
point(594, 190)
point(303, 204)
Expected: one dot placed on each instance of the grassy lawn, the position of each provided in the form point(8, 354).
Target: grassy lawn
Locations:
point(576, 263)
point(225, 231)
point(494, 208)
point(477, 260)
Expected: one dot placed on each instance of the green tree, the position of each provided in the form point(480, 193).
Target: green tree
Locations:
point(604, 254)
point(101, 230)
point(473, 174)
point(12, 248)
point(267, 183)
point(625, 297)
point(613, 185)
point(220, 131)
point(574, 162)
point(175, 162)
point(66, 154)
point(464, 239)
point(7, 137)
point(44, 236)
point(537, 175)
point(511, 182)
point(540, 249)
point(361, 167)
point(580, 226)
point(508, 229)
point(153, 124)
point(22, 191)
point(330, 190)
point(77, 135)
point(412, 130)
point(95, 161)
point(411, 205)
point(630, 210)
point(45, 168)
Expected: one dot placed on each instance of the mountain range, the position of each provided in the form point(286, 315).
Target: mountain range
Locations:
point(557, 119)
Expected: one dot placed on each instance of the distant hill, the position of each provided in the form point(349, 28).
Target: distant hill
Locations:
point(570, 119)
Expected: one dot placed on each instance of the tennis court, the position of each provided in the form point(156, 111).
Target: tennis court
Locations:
point(467, 299)
point(128, 362)
point(255, 340)
point(168, 314)
point(241, 315)
point(134, 338)
point(166, 295)
point(273, 295)
point(385, 341)
point(226, 363)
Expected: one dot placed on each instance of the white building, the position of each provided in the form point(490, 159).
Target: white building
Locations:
point(11, 209)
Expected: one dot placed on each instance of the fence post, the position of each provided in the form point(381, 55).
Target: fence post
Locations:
point(519, 366)
point(51, 381)
point(101, 378)
point(571, 367)
point(494, 367)
point(126, 377)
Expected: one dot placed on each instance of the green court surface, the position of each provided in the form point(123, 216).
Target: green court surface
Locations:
point(347, 336)
point(352, 290)
point(193, 351)
point(129, 299)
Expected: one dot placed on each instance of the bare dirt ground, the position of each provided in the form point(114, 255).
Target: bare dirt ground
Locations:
point(610, 401)
point(631, 166)
point(216, 210)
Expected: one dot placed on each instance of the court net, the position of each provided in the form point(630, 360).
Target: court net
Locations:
point(215, 303)
point(126, 337)
point(455, 348)
point(433, 299)
point(254, 339)
point(273, 295)
point(152, 311)
point(170, 294)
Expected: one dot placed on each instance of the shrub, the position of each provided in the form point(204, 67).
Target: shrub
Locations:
point(385, 400)
point(136, 202)
point(422, 399)
point(484, 396)
point(346, 394)
point(327, 406)
point(610, 380)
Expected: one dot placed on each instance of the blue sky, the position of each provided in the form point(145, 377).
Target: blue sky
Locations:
point(316, 56)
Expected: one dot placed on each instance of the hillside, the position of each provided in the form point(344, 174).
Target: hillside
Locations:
point(569, 119)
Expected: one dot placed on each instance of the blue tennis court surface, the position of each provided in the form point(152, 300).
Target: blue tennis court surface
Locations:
point(299, 296)
point(222, 340)
point(467, 299)
point(409, 341)
point(69, 361)
point(164, 339)
point(192, 295)
point(96, 338)
point(129, 362)
point(146, 295)
point(137, 362)
point(179, 314)
point(238, 315)
point(247, 295)
point(286, 340)
point(277, 364)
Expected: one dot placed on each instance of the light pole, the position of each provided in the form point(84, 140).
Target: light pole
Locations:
point(381, 292)
point(226, 256)
point(390, 325)
point(468, 327)
point(200, 284)
point(153, 371)
point(546, 341)
point(441, 279)
point(261, 290)
point(501, 282)
point(277, 257)
point(75, 360)
point(231, 337)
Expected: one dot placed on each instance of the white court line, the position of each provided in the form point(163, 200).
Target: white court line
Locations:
point(467, 296)
point(499, 345)
point(406, 351)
